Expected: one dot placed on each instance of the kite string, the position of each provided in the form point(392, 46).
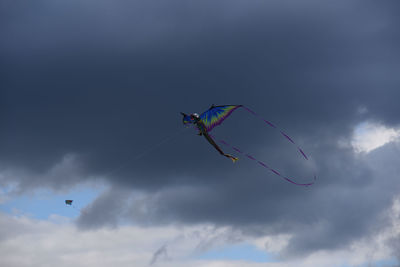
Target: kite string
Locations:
point(262, 164)
point(137, 157)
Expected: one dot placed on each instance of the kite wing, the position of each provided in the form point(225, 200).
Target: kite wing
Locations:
point(215, 115)
point(68, 202)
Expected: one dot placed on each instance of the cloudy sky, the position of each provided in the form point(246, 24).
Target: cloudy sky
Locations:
point(90, 95)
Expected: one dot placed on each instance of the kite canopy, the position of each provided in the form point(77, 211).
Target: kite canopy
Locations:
point(68, 202)
point(215, 115)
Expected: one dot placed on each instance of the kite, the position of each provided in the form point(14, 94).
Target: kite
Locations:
point(215, 115)
point(208, 120)
point(68, 202)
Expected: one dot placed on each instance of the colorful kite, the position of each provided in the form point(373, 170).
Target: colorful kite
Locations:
point(208, 120)
point(68, 202)
point(215, 115)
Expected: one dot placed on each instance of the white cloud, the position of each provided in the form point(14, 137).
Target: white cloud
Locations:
point(57, 242)
point(368, 136)
point(273, 244)
point(50, 243)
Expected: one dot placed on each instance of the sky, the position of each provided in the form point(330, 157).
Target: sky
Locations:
point(90, 100)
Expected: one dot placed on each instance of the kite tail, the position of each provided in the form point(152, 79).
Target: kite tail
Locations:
point(303, 154)
point(234, 159)
point(212, 142)
point(262, 164)
point(281, 131)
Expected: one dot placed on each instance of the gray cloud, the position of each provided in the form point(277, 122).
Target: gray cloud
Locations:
point(104, 211)
point(107, 81)
point(161, 252)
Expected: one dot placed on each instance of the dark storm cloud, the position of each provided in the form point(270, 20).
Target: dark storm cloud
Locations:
point(106, 81)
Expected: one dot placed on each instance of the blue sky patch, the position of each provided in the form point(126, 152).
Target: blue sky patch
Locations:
point(43, 203)
point(242, 251)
